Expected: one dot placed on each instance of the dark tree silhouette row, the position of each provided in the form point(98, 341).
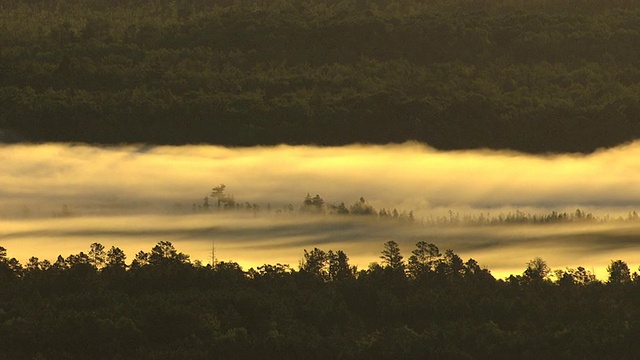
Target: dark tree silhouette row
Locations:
point(162, 305)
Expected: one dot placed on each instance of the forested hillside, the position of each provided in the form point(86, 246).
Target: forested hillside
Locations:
point(535, 76)
point(160, 305)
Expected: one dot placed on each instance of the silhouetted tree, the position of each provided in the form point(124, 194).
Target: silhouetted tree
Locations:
point(361, 207)
point(77, 259)
point(116, 258)
point(60, 264)
point(537, 270)
point(578, 276)
point(451, 264)
point(635, 277)
point(315, 262)
point(223, 200)
point(339, 268)
point(35, 265)
point(141, 259)
point(271, 272)
point(228, 273)
point(205, 203)
point(582, 276)
point(475, 274)
point(80, 271)
point(340, 209)
point(619, 272)
point(165, 253)
point(313, 204)
point(392, 257)
point(424, 259)
point(471, 267)
point(97, 256)
point(218, 193)
point(10, 268)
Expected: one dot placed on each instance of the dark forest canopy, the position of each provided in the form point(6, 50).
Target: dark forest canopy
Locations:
point(535, 76)
point(429, 304)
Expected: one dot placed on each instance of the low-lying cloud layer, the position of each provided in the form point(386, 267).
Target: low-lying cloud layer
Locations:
point(134, 196)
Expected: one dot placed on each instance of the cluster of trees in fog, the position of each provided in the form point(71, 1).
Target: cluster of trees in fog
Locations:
point(536, 76)
point(161, 305)
point(219, 199)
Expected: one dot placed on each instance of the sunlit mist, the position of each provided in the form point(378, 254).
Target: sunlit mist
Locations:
point(57, 199)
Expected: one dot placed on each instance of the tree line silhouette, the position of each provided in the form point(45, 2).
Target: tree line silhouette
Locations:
point(162, 305)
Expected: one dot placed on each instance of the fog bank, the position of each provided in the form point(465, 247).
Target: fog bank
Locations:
point(58, 198)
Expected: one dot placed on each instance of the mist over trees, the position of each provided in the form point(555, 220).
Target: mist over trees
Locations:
point(163, 305)
point(536, 76)
point(316, 205)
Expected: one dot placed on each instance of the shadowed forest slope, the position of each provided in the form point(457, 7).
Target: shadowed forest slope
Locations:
point(536, 76)
point(160, 305)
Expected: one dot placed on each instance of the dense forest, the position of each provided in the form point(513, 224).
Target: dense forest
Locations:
point(535, 76)
point(161, 305)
